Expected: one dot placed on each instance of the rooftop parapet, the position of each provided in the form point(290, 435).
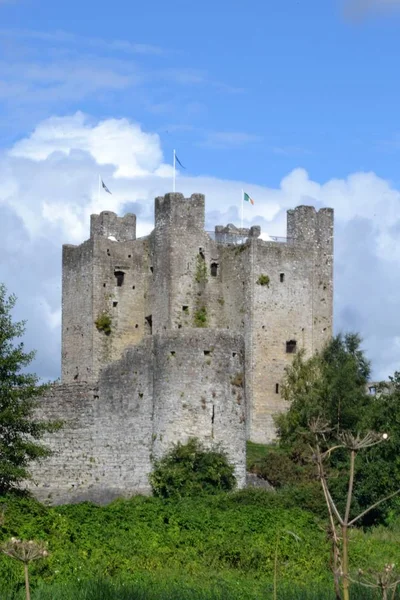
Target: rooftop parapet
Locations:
point(118, 229)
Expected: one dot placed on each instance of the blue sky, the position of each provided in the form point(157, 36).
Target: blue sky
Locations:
point(250, 89)
point(297, 101)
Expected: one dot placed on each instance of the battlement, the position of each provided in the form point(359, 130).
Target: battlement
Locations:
point(174, 210)
point(108, 225)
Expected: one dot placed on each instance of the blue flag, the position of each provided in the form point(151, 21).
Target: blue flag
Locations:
point(105, 188)
point(179, 162)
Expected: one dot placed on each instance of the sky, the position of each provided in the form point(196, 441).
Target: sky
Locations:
point(296, 101)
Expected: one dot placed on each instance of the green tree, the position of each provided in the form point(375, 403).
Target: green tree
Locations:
point(331, 385)
point(20, 429)
point(378, 471)
point(191, 470)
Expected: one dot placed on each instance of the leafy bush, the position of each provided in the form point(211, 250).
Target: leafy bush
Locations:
point(103, 323)
point(191, 470)
point(277, 468)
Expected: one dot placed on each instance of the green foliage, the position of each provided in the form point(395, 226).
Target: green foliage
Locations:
point(201, 270)
point(277, 468)
point(191, 470)
point(378, 469)
point(254, 453)
point(263, 280)
point(177, 586)
point(103, 323)
point(20, 430)
point(200, 317)
point(212, 547)
point(331, 384)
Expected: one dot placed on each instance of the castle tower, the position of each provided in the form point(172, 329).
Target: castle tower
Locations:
point(99, 280)
point(179, 245)
point(290, 299)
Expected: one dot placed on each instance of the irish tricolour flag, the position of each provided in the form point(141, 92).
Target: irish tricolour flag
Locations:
point(247, 198)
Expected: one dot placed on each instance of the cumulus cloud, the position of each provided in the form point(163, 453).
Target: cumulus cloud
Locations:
point(50, 188)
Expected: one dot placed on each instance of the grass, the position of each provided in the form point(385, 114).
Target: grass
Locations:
point(255, 453)
point(179, 588)
point(209, 548)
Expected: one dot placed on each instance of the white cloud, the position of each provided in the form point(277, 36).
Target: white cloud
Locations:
point(114, 141)
point(50, 188)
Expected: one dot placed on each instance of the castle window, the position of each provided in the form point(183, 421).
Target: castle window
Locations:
point(214, 269)
point(372, 390)
point(201, 252)
point(291, 346)
point(277, 388)
point(233, 354)
point(119, 276)
point(148, 324)
point(281, 277)
point(129, 255)
point(172, 352)
point(207, 352)
point(115, 304)
point(152, 269)
point(185, 308)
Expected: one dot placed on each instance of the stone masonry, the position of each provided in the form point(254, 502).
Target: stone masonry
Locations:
point(179, 334)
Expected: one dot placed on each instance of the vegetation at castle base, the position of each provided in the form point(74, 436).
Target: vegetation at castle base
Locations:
point(191, 470)
point(225, 542)
point(263, 280)
point(175, 586)
point(200, 317)
point(103, 323)
point(20, 430)
point(333, 386)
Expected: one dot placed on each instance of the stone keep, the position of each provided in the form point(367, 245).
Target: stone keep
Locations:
point(179, 334)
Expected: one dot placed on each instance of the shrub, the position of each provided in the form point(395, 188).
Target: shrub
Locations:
point(103, 323)
point(277, 468)
point(263, 280)
point(191, 470)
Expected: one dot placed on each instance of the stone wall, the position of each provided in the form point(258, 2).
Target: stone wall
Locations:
point(198, 392)
point(168, 388)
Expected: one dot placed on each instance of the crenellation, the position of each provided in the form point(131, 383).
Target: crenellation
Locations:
point(179, 334)
point(108, 225)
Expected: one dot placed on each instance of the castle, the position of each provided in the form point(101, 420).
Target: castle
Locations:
point(183, 333)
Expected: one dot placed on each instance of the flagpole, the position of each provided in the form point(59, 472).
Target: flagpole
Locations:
point(241, 212)
point(173, 184)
